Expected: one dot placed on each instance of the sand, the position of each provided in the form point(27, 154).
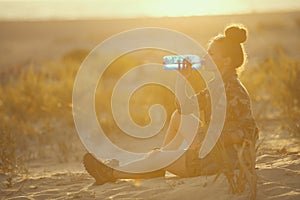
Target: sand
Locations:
point(278, 170)
point(278, 157)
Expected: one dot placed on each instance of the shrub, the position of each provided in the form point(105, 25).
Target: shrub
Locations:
point(276, 80)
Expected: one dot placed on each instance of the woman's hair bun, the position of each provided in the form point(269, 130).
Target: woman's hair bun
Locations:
point(236, 34)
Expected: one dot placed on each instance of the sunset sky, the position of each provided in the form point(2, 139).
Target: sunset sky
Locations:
point(76, 9)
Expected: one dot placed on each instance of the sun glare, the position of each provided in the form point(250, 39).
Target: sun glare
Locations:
point(179, 8)
point(79, 9)
point(193, 7)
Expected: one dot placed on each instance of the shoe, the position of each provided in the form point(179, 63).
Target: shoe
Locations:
point(101, 172)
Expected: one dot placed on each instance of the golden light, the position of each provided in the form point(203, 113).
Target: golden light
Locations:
point(84, 9)
point(194, 7)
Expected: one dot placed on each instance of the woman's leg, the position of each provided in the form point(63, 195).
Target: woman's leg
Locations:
point(103, 173)
point(187, 165)
point(125, 175)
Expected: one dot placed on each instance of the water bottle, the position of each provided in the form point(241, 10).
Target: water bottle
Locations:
point(177, 62)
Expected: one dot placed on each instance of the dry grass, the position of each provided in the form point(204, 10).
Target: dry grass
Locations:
point(273, 86)
point(35, 111)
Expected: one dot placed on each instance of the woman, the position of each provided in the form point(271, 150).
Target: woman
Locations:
point(237, 138)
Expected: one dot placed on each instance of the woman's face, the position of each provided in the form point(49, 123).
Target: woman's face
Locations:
point(222, 62)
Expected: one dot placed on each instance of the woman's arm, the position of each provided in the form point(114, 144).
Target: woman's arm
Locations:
point(186, 101)
point(173, 140)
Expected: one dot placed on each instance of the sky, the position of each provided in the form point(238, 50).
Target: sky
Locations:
point(80, 9)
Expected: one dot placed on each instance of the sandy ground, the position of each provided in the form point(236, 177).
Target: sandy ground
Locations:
point(278, 159)
point(278, 170)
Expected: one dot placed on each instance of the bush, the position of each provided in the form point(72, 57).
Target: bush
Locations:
point(35, 108)
point(276, 80)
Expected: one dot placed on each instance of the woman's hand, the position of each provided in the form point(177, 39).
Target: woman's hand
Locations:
point(186, 69)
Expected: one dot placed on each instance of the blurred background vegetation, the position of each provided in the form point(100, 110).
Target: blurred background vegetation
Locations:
point(36, 106)
point(36, 99)
point(273, 86)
